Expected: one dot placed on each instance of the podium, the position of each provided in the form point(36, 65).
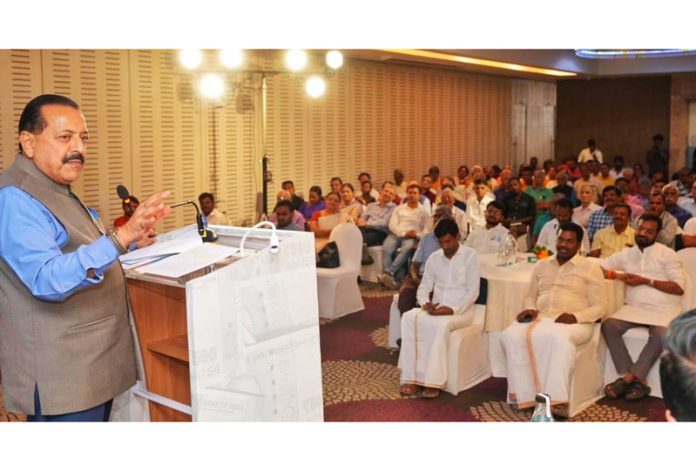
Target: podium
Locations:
point(236, 340)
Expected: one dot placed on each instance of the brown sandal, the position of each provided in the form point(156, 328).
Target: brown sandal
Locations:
point(407, 390)
point(430, 393)
point(637, 390)
point(617, 389)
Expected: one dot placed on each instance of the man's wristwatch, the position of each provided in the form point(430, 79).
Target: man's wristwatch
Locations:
point(111, 234)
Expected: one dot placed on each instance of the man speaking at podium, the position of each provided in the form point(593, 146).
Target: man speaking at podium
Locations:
point(66, 348)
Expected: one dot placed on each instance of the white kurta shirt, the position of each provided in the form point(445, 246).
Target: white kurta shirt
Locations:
point(487, 240)
point(475, 210)
point(454, 282)
point(548, 237)
point(656, 262)
point(574, 287)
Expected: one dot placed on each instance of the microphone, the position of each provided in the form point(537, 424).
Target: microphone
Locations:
point(123, 193)
point(208, 235)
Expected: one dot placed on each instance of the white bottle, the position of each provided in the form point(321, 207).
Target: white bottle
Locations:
point(542, 410)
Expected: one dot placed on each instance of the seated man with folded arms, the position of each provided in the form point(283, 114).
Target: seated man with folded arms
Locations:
point(374, 221)
point(678, 369)
point(564, 299)
point(614, 238)
point(426, 247)
point(549, 233)
point(452, 275)
point(407, 224)
point(491, 238)
point(654, 279)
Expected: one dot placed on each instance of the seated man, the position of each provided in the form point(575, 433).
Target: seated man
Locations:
point(564, 299)
point(407, 224)
point(491, 238)
point(678, 369)
point(212, 214)
point(374, 221)
point(603, 217)
point(289, 186)
point(614, 238)
point(520, 209)
point(297, 216)
point(452, 275)
point(670, 226)
point(283, 214)
point(671, 195)
point(549, 233)
point(426, 247)
point(129, 204)
point(654, 280)
point(460, 217)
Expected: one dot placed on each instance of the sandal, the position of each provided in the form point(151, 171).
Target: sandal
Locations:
point(638, 390)
point(430, 393)
point(617, 389)
point(408, 390)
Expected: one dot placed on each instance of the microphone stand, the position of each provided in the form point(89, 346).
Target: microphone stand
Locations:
point(208, 235)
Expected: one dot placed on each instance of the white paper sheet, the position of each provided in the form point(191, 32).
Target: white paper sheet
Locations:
point(188, 261)
point(185, 239)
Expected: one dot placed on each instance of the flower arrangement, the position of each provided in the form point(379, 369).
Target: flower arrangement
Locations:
point(541, 252)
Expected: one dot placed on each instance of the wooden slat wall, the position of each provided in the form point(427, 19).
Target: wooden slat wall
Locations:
point(149, 133)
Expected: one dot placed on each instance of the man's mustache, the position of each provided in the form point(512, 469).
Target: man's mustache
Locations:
point(75, 156)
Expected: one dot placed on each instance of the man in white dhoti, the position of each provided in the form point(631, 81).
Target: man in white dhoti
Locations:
point(655, 280)
point(564, 299)
point(452, 275)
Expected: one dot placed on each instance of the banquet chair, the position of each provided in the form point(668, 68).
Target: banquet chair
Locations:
point(467, 358)
point(337, 288)
point(586, 385)
point(636, 338)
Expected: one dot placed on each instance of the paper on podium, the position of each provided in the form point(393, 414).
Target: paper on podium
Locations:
point(184, 239)
point(190, 260)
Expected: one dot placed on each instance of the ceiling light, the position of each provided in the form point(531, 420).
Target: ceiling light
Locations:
point(315, 87)
point(482, 62)
point(212, 86)
point(231, 58)
point(190, 58)
point(334, 59)
point(296, 59)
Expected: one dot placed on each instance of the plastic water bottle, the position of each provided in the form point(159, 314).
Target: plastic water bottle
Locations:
point(542, 410)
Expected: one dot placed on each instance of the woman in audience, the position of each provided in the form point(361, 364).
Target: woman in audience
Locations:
point(350, 206)
point(581, 214)
point(314, 203)
point(323, 221)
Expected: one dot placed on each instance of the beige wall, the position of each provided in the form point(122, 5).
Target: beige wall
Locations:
point(683, 92)
point(150, 132)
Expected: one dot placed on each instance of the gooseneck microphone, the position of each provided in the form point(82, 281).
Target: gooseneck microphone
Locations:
point(123, 193)
point(207, 234)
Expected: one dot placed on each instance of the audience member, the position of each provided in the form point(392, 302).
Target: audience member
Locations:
point(590, 153)
point(586, 178)
point(491, 238)
point(374, 221)
point(613, 239)
point(683, 181)
point(604, 217)
point(451, 275)
point(617, 170)
point(314, 203)
point(689, 202)
point(336, 184)
point(426, 186)
point(549, 233)
point(297, 217)
point(128, 205)
point(459, 216)
point(400, 183)
point(284, 211)
point(325, 220)
point(520, 209)
point(581, 214)
point(477, 203)
point(289, 186)
point(678, 369)
point(407, 224)
point(644, 190)
point(542, 199)
point(655, 281)
point(210, 211)
point(604, 178)
point(564, 188)
point(426, 247)
point(671, 195)
point(366, 195)
point(670, 227)
point(434, 173)
point(350, 206)
point(564, 299)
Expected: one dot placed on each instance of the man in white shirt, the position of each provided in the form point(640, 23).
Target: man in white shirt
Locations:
point(452, 275)
point(564, 299)
point(490, 238)
point(655, 280)
point(477, 204)
point(590, 153)
point(212, 214)
point(407, 224)
point(448, 199)
point(689, 202)
point(549, 233)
